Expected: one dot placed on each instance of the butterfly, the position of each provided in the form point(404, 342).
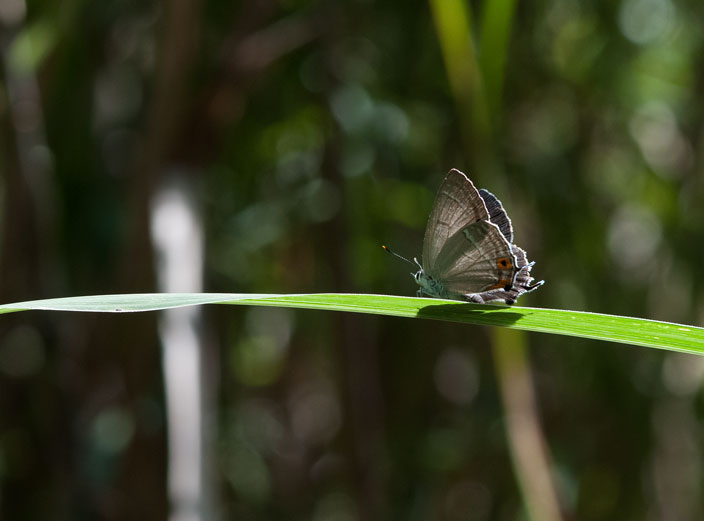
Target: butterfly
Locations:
point(468, 250)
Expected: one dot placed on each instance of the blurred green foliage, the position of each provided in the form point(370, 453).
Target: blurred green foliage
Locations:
point(312, 132)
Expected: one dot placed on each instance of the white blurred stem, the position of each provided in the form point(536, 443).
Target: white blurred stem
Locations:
point(177, 235)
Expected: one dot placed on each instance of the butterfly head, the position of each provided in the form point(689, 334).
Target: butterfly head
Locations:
point(428, 285)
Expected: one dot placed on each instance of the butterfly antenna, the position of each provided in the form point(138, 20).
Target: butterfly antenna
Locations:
point(395, 254)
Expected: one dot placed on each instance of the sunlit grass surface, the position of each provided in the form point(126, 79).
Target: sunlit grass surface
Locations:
point(625, 330)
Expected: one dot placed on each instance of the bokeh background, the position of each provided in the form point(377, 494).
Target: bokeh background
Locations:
point(273, 146)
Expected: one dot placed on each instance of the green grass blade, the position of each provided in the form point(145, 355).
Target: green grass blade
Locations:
point(625, 330)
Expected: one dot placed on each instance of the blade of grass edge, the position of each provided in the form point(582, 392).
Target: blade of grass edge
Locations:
point(613, 328)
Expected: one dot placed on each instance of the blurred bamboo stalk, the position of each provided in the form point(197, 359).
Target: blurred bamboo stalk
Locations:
point(183, 138)
point(477, 84)
point(497, 21)
point(531, 459)
point(176, 235)
point(27, 249)
point(453, 25)
point(27, 226)
point(675, 466)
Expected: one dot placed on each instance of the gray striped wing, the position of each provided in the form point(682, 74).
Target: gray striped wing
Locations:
point(457, 205)
point(476, 258)
point(497, 214)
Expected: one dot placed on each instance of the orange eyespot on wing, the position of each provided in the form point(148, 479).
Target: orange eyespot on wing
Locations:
point(504, 263)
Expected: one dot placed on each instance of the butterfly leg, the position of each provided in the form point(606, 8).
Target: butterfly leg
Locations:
point(494, 295)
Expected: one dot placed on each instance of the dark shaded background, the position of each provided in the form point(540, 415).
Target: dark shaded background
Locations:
point(308, 134)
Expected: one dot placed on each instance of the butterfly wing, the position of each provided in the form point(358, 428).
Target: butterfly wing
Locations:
point(497, 214)
point(522, 282)
point(457, 205)
point(476, 259)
